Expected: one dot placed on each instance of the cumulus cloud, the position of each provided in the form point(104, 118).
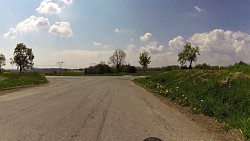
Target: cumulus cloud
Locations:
point(61, 29)
point(159, 56)
point(219, 47)
point(49, 7)
point(222, 42)
point(30, 24)
point(67, 1)
point(147, 37)
point(152, 48)
point(11, 34)
point(176, 43)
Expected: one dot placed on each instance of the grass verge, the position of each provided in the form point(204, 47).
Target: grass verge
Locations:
point(13, 80)
point(223, 94)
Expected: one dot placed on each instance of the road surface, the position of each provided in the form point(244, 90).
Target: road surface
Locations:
point(92, 109)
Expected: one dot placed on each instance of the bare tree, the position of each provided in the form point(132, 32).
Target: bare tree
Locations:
point(118, 59)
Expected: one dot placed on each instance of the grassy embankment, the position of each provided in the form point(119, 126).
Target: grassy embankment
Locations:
point(223, 94)
point(12, 80)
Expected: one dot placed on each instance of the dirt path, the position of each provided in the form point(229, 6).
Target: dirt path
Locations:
point(94, 109)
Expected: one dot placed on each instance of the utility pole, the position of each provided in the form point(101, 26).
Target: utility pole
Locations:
point(60, 65)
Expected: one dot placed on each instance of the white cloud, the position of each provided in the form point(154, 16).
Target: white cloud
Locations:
point(97, 44)
point(48, 7)
point(198, 9)
point(67, 1)
point(176, 43)
point(152, 48)
point(219, 47)
point(11, 34)
point(61, 29)
point(221, 42)
point(30, 24)
point(119, 30)
point(147, 37)
point(159, 56)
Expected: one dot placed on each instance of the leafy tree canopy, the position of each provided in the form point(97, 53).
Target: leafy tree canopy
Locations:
point(189, 54)
point(23, 57)
point(144, 59)
point(2, 61)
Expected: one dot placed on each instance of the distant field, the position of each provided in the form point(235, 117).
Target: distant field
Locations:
point(223, 94)
point(11, 80)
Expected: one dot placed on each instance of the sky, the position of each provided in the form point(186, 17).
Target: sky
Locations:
point(85, 32)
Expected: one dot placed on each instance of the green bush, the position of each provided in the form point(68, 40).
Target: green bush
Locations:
point(101, 68)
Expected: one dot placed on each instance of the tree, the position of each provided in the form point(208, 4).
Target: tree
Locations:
point(128, 68)
point(23, 57)
point(189, 54)
point(102, 68)
point(144, 59)
point(118, 59)
point(2, 62)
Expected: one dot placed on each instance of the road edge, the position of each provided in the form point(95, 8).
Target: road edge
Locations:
point(211, 125)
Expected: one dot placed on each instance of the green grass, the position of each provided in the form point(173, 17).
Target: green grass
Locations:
point(13, 80)
point(223, 94)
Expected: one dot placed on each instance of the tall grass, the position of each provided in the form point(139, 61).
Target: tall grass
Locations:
point(12, 80)
point(223, 94)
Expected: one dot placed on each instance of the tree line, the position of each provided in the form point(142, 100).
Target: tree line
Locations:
point(117, 60)
point(23, 59)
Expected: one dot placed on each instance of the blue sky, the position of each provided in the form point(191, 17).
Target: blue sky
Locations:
point(83, 32)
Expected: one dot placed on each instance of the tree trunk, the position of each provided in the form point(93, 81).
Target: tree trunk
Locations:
point(190, 65)
point(20, 70)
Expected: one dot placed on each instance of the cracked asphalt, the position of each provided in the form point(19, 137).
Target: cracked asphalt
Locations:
point(92, 109)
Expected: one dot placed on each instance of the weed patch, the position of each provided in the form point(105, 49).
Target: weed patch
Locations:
point(13, 80)
point(223, 94)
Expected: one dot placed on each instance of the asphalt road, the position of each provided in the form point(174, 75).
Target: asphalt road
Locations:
point(92, 109)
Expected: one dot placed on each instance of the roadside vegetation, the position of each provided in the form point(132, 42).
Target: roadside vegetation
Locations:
point(222, 93)
point(10, 80)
